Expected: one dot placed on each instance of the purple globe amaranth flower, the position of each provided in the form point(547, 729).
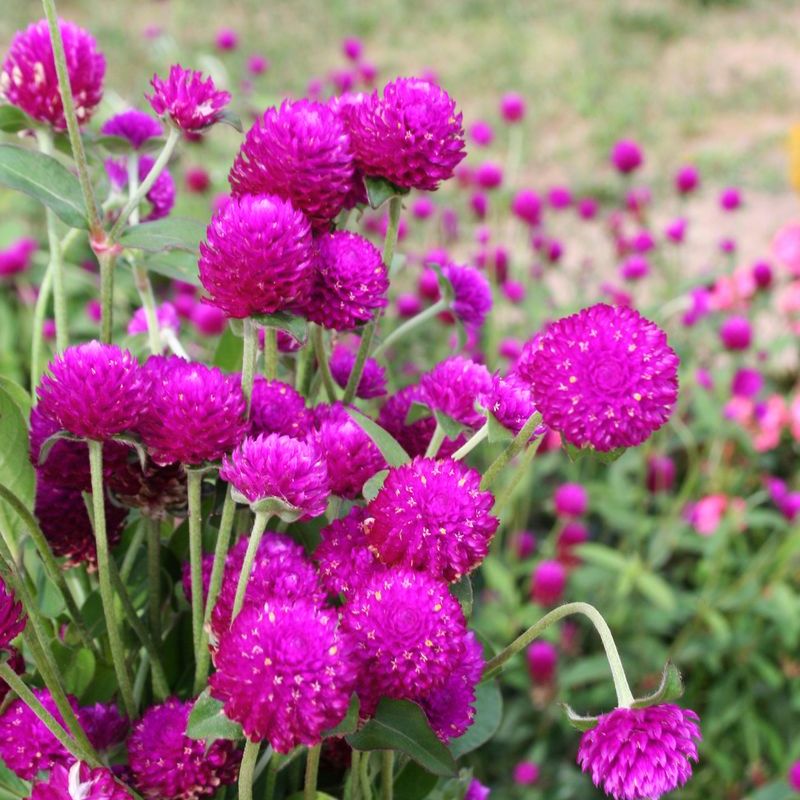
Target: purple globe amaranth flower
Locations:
point(794, 776)
point(406, 632)
point(571, 500)
point(134, 125)
point(542, 659)
point(547, 582)
point(79, 781)
point(512, 107)
point(636, 753)
point(17, 257)
point(373, 378)
point(526, 773)
point(276, 466)
point(626, 156)
point(94, 390)
point(660, 474)
point(747, 382)
point(191, 102)
point(730, 199)
point(300, 152)
point(166, 764)
point(527, 206)
point(510, 401)
point(196, 413)
point(687, 179)
point(432, 516)
point(277, 407)
point(161, 194)
point(351, 456)
point(477, 791)
point(604, 377)
point(166, 316)
point(28, 76)
point(281, 573)
point(481, 133)
point(350, 282)
point(736, 333)
point(489, 175)
point(472, 299)
point(412, 135)
point(257, 257)
point(452, 387)
point(105, 727)
point(64, 520)
point(284, 673)
point(12, 619)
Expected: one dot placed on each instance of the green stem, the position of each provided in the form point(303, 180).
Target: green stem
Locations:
point(410, 325)
point(194, 481)
point(435, 442)
point(517, 445)
point(302, 380)
point(353, 779)
point(247, 769)
point(624, 695)
point(322, 362)
point(517, 476)
point(259, 526)
point(270, 353)
point(73, 126)
point(272, 776)
point(107, 260)
point(249, 357)
point(367, 335)
point(132, 553)
point(39, 311)
point(387, 774)
point(312, 769)
point(466, 448)
point(104, 577)
point(154, 577)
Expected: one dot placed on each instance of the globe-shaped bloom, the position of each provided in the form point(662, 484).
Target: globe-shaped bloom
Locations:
point(510, 401)
point(542, 659)
point(161, 194)
point(190, 101)
point(166, 316)
point(687, 179)
point(626, 156)
point(28, 76)
point(17, 257)
point(257, 257)
point(452, 387)
point(350, 282)
point(301, 153)
point(432, 516)
point(284, 673)
point(276, 407)
point(412, 135)
point(105, 727)
point(512, 107)
point(736, 333)
point(80, 781)
point(166, 764)
point(604, 377)
point(634, 753)
point(12, 620)
point(196, 413)
point(472, 299)
point(94, 390)
point(373, 378)
point(275, 466)
point(406, 632)
point(571, 500)
point(527, 205)
point(547, 582)
point(134, 125)
point(660, 473)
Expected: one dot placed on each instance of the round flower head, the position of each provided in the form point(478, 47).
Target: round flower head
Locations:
point(472, 299)
point(350, 282)
point(276, 407)
point(133, 125)
point(635, 753)
point(512, 106)
point(736, 333)
point(571, 500)
point(527, 205)
point(28, 76)
point(16, 258)
point(412, 135)
point(626, 156)
point(352, 457)
point(548, 581)
point(604, 377)
point(12, 620)
point(166, 315)
point(687, 179)
point(660, 474)
point(542, 660)
point(275, 466)
point(451, 708)
point(373, 378)
point(257, 257)
point(730, 199)
point(283, 672)
point(407, 635)
point(80, 781)
point(452, 387)
point(94, 390)
point(431, 515)
point(161, 194)
point(196, 413)
point(166, 764)
point(301, 153)
point(794, 776)
point(510, 401)
point(26, 745)
point(481, 133)
point(105, 727)
point(65, 522)
point(192, 103)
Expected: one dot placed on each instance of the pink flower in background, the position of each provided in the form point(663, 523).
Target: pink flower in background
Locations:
point(512, 107)
point(16, 258)
point(226, 39)
point(786, 247)
point(626, 156)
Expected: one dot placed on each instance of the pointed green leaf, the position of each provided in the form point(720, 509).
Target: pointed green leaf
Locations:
point(451, 427)
point(350, 722)
point(498, 433)
point(296, 327)
point(176, 264)
point(462, 591)
point(172, 233)
point(228, 355)
point(390, 448)
point(229, 118)
point(446, 289)
point(488, 716)
point(207, 721)
point(412, 782)
point(14, 120)
point(373, 485)
point(379, 191)
point(16, 471)
point(19, 395)
point(416, 412)
point(670, 688)
point(577, 721)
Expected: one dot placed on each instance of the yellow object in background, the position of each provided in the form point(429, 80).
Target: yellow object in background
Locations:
point(794, 156)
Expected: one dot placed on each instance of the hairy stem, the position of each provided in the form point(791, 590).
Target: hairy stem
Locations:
point(249, 358)
point(322, 363)
point(107, 260)
point(270, 353)
point(517, 445)
point(39, 312)
point(194, 480)
point(435, 442)
point(259, 526)
point(410, 325)
point(247, 769)
point(479, 436)
point(312, 768)
point(387, 776)
point(153, 528)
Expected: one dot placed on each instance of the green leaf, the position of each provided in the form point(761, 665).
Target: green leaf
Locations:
point(227, 117)
point(498, 433)
point(271, 506)
point(209, 723)
point(379, 191)
point(656, 589)
point(14, 120)
point(228, 355)
point(176, 264)
point(462, 591)
point(413, 782)
point(44, 179)
point(416, 412)
point(296, 327)
point(19, 395)
point(577, 453)
point(577, 721)
point(446, 289)
point(116, 145)
point(488, 716)
point(172, 233)
point(350, 722)
point(371, 488)
point(16, 471)
point(390, 448)
point(76, 667)
point(670, 688)
point(402, 725)
point(451, 427)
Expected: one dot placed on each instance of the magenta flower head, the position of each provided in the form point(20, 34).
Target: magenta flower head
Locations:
point(412, 135)
point(604, 377)
point(527, 206)
point(166, 315)
point(161, 194)
point(635, 753)
point(277, 407)
point(301, 153)
point(273, 467)
point(477, 791)
point(571, 500)
point(489, 175)
point(481, 133)
point(660, 474)
point(284, 673)
point(794, 776)
point(547, 582)
point(12, 619)
point(80, 780)
point(626, 156)
point(17, 257)
point(472, 299)
point(373, 379)
point(105, 727)
point(432, 516)
point(526, 773)
point(28, 76)
point(166, 764)
point(510, 401)
point(730, 199)
point(687, 179)
point(736, 333)
point(350, 282)
point(542, 659)
point(512, 107)
point(257, 257)
point(452, 387)
point(94, 390)
point(406, 632)
point(196, 413)
point(191, 102)
point(226, 39)
point(133, 125)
